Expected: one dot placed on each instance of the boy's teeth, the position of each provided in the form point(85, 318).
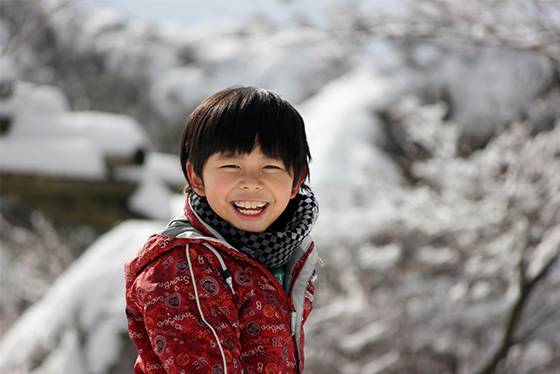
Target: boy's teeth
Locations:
point(251, 208)
point(249, 204)
point(250, 212)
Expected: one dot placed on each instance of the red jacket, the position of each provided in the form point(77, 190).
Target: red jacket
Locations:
point(234, 313)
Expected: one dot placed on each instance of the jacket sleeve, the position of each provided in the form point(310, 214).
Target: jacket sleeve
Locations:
point(170, 329)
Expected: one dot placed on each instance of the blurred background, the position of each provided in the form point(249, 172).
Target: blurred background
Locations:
point(434, 127)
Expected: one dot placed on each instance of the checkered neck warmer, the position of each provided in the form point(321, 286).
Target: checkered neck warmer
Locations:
point(273, 247)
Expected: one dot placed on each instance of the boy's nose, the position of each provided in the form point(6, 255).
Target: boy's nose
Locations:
point(251, 182)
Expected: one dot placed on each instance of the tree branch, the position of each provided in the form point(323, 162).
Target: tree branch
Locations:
point(525, 288)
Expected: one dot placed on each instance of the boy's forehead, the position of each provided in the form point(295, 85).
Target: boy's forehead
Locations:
point(224, 155)
point(239, 155)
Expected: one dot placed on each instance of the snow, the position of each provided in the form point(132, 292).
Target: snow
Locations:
point(293, 64)
point(154, 197)
point(162, 166)
point(46, 138)
point(114, 135)
point(381, 363)
point(151, 199)
point(216, 13)
point(372, 257)
point(372, 225)
point(544, 253)
point(481, 107)
point(70, 157)
point(366, 335)
point(346, 138)
point(72, 307)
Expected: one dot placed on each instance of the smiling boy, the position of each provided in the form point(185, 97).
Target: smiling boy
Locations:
point(249, 191)
point(226, 287)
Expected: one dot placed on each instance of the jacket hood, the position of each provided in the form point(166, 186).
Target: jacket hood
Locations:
point(158, 244)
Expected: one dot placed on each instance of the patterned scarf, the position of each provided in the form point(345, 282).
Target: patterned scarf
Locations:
point(273, 247)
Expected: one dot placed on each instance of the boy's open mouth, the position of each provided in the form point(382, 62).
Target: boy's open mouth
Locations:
point(251, 208)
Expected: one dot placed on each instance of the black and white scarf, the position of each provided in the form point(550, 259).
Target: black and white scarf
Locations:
point(273, 247)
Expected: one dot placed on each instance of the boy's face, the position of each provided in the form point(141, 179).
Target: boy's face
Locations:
point(250, 191)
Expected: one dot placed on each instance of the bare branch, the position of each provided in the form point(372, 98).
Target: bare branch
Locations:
point(19, 38)
point(525, 288)
point(517, 25)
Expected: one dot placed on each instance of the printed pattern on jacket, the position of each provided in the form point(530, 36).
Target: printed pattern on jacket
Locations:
point(253, 324)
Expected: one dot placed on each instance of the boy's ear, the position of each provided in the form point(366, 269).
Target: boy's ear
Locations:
point(196, 182)
point(297, 186)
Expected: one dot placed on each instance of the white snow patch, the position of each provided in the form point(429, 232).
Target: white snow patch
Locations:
point(345, 134)
point(378, 257)
point(355, 342)
point(156, 178)
point(45, 138)
point(151, 199)
point(71, 157)
point(87, 298)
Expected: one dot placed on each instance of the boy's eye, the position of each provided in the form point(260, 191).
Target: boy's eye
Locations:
point(230, 166)
point(272, 167)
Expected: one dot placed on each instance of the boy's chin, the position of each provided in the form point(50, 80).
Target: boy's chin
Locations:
point(250, 228)
point(251, 225)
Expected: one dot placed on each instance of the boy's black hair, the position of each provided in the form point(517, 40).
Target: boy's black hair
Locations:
point(237, 119)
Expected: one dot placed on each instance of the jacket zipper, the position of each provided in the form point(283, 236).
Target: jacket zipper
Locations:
point(304, 258)
point(287, 298)
point(293, 316)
